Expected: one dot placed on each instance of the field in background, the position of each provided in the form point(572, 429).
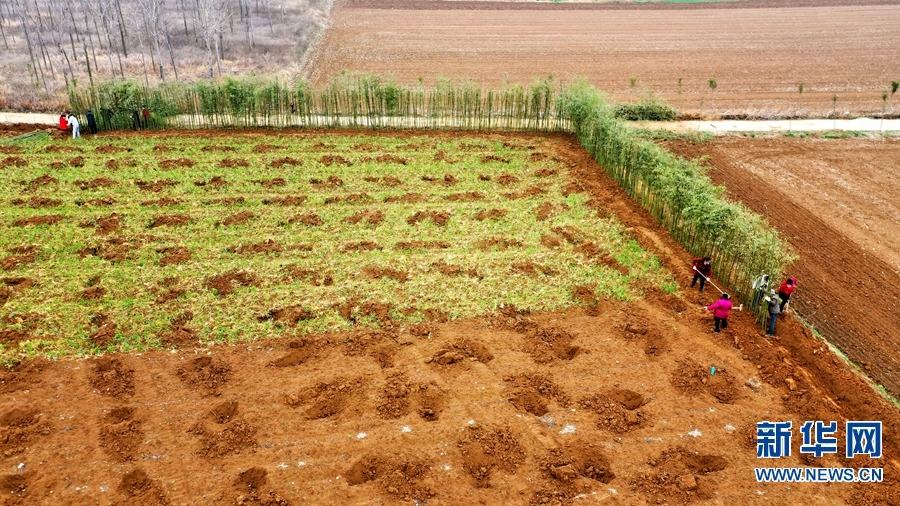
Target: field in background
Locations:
point(758, 56)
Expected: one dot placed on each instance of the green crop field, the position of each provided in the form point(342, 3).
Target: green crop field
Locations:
point(140, 242)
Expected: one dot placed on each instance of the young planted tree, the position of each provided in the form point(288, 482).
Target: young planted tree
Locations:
point(834, 99)
point(712, 92)
point(632, 82)
point(791, 117)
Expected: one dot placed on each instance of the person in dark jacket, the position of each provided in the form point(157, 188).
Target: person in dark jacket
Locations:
point(702, 268)
point(786, 290)
point(774, 311)
point(135, 120)
point(91, 121)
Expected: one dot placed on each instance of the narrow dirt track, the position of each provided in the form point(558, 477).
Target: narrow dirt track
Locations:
point(758, 53)
point(849, 294)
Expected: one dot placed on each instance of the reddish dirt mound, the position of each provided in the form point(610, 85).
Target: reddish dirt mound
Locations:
point(162, 148)
point(162, 202)
point(453, 270)
point(216, 182)
point(20, 255)
point(359, 246)
point(545, 344)
point(173, 163)
point(373, 272)
point(286, 161)
point(138, 489)
point(491, 214)
point(325, 400)
point(439, 218)
point(399, 477)
point(679, 473)
point(308, 219)
point(40, 181)
point(391, 159)
point(174, 220)
point(227, 282)
point(112, 377)
point(37, 202)
point(546, 210)
point(461, 350)
point(616, 410)
point(328, 160)
point(572, 187)
point(269, 183)
point(408, 198)
point(532, 392)
point(155, 186)
point(236, 219)
point(206, 374)
point(105, 333)
point(13, 161)
point(174, 255)
point(422, 245)
point(266, 246)
point(691, 378)
point(76, 162)
point(313, 277)
point(51, 219)
point(121, 435)
point(331, 182)
point(371, 217)
point(100, 182)
point(500, 243)
point(104, 225)
point(93, 293)
point(236, 437)
point(484, 450)
point(218, 149)
point(506, 179)
point(293, 200)
point(290, 315)
point(223, 413)
point(180, 336)
point(542, 172)
point(465, 197)
point(298, 353)
point(104, 201)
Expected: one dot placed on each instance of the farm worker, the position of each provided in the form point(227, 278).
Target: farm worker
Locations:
point(63, 123)
point(73, 122)
point(774, 310)
point(92, 121)
point(145, 115)
point(702, 268)
point(720, 309)
point(786, 290)
point(135, 120)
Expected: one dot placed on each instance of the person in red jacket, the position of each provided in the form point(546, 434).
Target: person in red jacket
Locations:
point(702, 268)
point(720, 309)
point(63, 123)
point(786, 290)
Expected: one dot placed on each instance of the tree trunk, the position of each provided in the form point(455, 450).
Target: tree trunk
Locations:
point(121, 22)
point(169, 44)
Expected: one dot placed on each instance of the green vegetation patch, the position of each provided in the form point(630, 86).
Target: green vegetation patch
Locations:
point(141, 242)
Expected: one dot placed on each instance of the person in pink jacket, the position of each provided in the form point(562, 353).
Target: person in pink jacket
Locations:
point(720, 310)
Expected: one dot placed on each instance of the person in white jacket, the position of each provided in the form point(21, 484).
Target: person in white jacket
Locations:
point(73, 124)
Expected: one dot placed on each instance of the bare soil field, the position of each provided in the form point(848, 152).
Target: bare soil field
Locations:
point(606, 401)
point(835, 200)
point(758, 52)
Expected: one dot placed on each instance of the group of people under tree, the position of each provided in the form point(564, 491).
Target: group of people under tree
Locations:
point(776, 301)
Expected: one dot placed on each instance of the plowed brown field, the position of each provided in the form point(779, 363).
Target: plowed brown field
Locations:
point(758, 52)
point(836, 202)
point(611, 404)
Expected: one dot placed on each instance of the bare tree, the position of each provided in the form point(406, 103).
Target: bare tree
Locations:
point(211, 17)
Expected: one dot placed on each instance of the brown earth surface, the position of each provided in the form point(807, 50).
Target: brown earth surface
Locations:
point(446, 412)
point(758, 51)
point(836, 202)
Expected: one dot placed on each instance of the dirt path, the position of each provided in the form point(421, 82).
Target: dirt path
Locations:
point(843, 224)
point(758, 56)
point(608, 404)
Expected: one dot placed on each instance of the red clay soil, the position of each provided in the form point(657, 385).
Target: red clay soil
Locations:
point(444, 412)
point(835, 202)
point(758, 51)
